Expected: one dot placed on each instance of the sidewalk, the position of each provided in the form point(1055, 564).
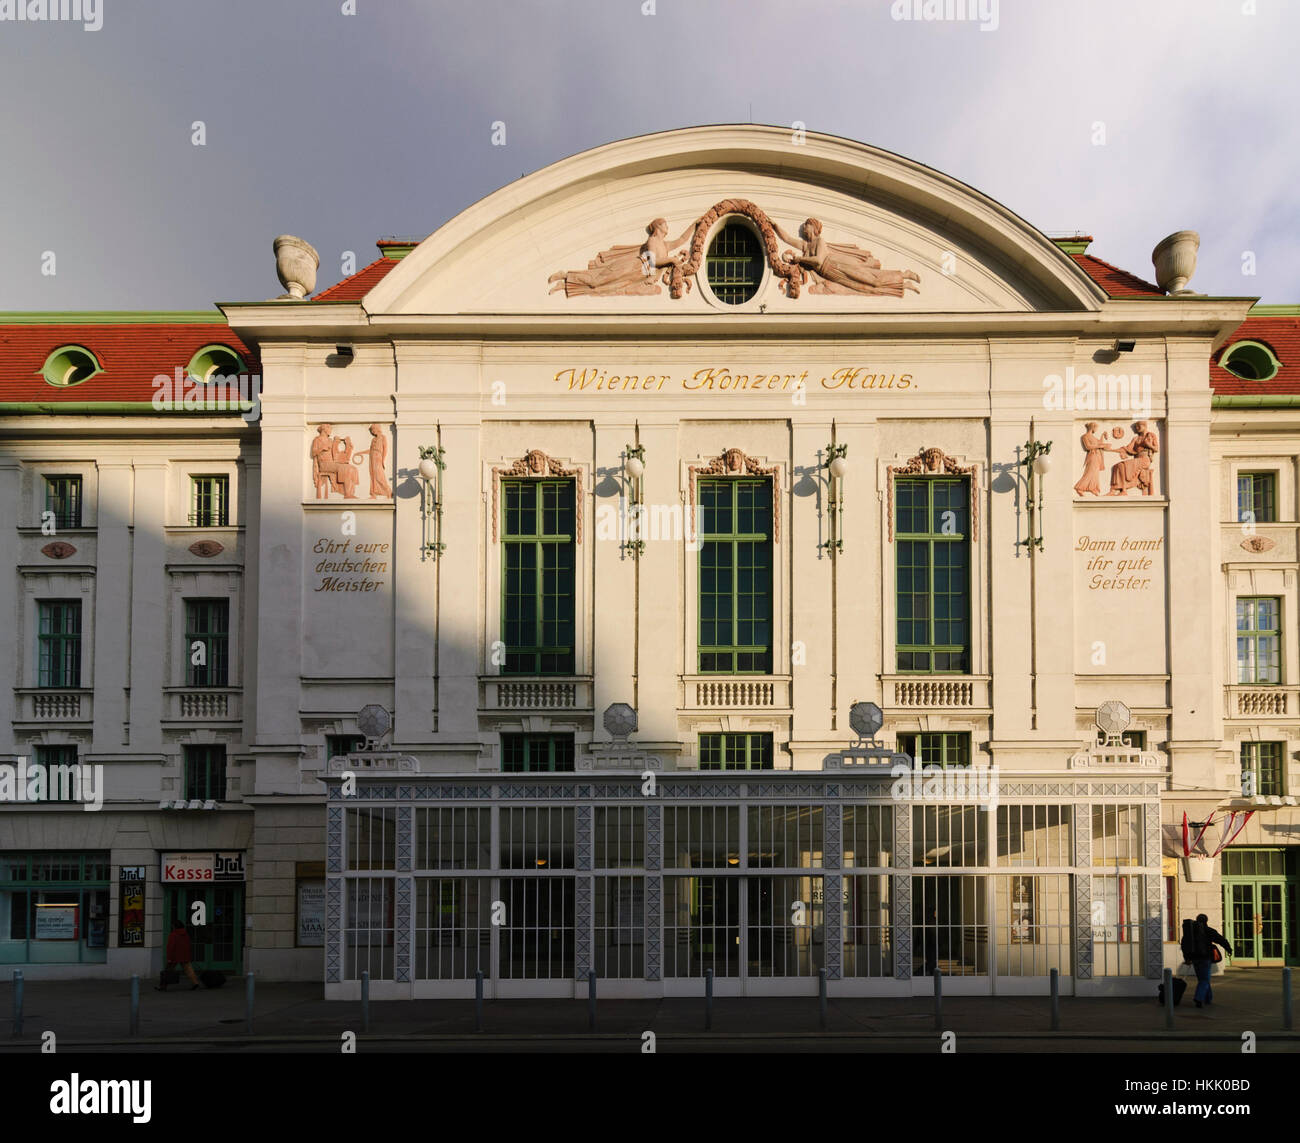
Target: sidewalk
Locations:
point(91, 1014)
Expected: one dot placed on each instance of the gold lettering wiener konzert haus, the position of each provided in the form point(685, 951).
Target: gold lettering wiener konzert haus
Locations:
point(720, 378)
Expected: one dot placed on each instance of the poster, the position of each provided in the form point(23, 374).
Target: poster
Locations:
point(1022, 910)
point(130, 911)
point(311, 914)
point(57, 922)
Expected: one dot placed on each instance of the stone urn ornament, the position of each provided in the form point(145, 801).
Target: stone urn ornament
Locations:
point(296, 263)
point(1175, 261)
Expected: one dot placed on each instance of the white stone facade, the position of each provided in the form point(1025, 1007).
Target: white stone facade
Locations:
point(334, 602)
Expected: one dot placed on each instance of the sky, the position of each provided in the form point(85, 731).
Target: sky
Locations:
point(157, 156)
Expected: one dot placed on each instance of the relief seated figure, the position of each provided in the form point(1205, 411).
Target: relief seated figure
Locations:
point(331, 467)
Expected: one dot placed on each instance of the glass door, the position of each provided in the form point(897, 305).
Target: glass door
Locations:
point(1258, 923)
point(218, 944)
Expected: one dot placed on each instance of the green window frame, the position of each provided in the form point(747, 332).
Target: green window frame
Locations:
point(339, 744)
point(207, 622)
point(1262, 762)
point(50, 756)
point(1257, 495)
point(80, 879)
point(733, 266)
point(205, 772)
point(63, 499)
point(947, 749)
point(58, 643)
point(744, 751)
point(537, 753)
point(538, 577)
point(210, 501)
point(932, 575)
point(735, 576)
point(1259, 640)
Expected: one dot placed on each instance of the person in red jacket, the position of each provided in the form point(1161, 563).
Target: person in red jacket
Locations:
point(179, 953)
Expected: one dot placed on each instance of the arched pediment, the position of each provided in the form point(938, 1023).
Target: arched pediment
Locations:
point(838, 226)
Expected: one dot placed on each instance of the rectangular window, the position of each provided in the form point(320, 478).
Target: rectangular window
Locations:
point(620, 837)
point(63, 499)
point(785, 837)
point(538, 561)
point(735, 590)
point(536, 838)
point(1171, 909)
point(1117, 836)
point(1259, 640)
point(453, 838)
point(1261, 768)
point(932, 569)
point(207, 641)
point(57, 762)
point(868, 837)
point(205, 773)
point(1034, 835)
point(209, 501)
point(945, 748)
point(1257, 497)
point(949, 837)
point(54, 908)
point(736, 751)
point(59, 643)
point(536, 753)
point(337, 745)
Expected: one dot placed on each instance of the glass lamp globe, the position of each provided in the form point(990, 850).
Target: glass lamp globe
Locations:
point(1042, 462)
point(428, 468)
point(634, 467)
point(839, 466)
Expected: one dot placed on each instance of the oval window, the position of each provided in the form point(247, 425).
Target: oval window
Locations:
point(733, 266)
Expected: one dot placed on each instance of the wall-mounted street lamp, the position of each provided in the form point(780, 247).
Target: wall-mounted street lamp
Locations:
point(836, 466)
point(431, 468)
point(633, 472)
point(1037, 462)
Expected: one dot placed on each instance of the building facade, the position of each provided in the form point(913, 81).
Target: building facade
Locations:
point(523, 616)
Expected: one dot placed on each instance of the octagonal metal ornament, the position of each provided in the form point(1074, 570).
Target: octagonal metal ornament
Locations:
point(374, 721)
point(866, 718)
point(620, 719)
point(1113, 718)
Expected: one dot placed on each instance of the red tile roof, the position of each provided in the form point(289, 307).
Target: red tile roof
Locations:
point(131, 355)
point(356, 287)
point(1282, 335)
point(1116, 282)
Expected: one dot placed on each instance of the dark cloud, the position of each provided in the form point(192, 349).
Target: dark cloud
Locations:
point(343, 128)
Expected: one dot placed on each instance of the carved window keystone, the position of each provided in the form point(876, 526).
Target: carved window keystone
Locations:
point(537, 465)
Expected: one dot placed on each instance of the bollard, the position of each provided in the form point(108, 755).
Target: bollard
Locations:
point(1169, 998)
point(591, 1000)
point(938, 999)
point(821, 996)
point(134, 1024)
point(248, 1004)
point(1056, 1000)
point(478, 1001)
point(1287, 1016)
point(365, 1002)
point(708, 999)
point(18, 1003)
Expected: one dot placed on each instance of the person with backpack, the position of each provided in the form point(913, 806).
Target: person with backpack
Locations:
point(1198, 950)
